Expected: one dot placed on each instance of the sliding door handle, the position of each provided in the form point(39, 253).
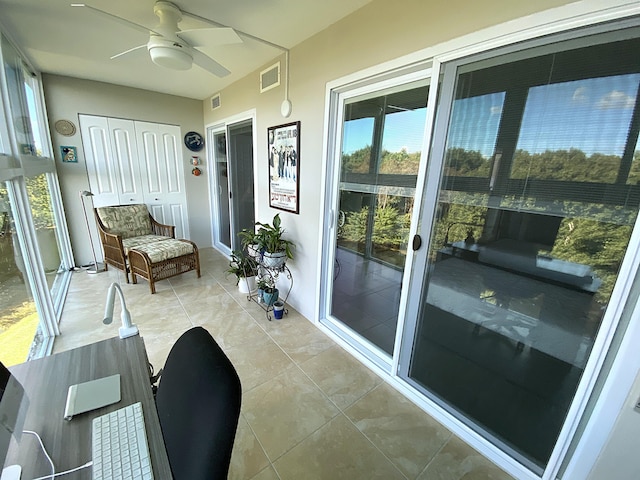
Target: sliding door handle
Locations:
point(417, 242)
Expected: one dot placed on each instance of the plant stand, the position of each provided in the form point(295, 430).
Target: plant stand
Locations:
point(273, 273)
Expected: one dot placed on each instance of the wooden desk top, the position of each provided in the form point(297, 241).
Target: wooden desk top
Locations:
point(46, 381)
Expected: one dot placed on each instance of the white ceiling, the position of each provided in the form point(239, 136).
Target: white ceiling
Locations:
point(76, 42)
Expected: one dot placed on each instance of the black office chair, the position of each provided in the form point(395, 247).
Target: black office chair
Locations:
point(198, 402)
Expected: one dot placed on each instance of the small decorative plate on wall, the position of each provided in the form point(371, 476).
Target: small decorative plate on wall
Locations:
point(194, 141)
point(65, 127)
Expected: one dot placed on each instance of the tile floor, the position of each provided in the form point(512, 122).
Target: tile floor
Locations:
point(309, 409)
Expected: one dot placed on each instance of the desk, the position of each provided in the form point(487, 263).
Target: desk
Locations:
point(46, 381)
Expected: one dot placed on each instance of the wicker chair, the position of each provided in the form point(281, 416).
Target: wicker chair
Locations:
point(124, 227)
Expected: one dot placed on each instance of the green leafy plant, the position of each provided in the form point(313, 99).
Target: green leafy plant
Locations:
point(248, 237)
point(241, 265)
point(264, 283)
point(269, 238)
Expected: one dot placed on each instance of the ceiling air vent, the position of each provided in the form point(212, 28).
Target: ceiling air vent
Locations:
point(215, 101)
point(270, 78)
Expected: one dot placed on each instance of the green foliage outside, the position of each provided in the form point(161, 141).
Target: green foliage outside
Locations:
point(18, 316)
point(567, 165)
point(392, 163)
point(591, 234)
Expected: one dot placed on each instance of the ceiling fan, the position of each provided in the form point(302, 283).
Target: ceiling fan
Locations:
point(171, 47)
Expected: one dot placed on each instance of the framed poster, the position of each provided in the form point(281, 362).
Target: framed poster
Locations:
point(283, 145)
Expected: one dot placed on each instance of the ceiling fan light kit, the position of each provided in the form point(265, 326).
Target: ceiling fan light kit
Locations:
point(168, 54)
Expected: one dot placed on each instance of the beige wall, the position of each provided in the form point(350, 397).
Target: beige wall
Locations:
point(67, 97)
point(379, 32)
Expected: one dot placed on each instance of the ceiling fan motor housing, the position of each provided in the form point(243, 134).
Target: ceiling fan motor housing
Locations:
point(168, 51)
point(169, 54)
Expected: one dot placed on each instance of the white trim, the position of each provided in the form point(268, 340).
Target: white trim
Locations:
point(421, 183)
point(274, 84)
point(332, 149)
point(214, 204)
point(623, 371)
point(215, 127)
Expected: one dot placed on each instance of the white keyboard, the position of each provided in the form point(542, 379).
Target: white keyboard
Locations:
point(119, 443)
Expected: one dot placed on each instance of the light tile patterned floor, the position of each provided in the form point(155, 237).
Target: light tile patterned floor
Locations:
point(309, 409)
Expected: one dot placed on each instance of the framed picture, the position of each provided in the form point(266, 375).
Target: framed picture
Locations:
point(283, 152)
point(69, 154)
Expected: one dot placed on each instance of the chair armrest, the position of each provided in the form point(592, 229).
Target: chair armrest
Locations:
point(160, 229)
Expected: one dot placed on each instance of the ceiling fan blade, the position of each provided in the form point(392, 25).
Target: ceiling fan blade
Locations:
point(122, 21)
point(208, 63)
point(205, 37)
point(129, 51)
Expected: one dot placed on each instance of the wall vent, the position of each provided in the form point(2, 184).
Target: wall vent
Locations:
point(270, 78)
point(215, 101)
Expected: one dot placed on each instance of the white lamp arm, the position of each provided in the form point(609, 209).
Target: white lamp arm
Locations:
point(127, 329)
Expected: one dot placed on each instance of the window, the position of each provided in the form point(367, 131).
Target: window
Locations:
point(33, 273)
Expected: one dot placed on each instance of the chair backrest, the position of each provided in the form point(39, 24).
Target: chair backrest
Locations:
point(198, 402)
point(126, 220)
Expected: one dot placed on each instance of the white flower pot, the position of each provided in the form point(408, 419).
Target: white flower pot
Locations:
point(274, 260)
point(253, 251)
point(247, 284)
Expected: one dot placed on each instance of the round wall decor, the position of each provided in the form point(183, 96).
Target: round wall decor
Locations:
point(194, 141)
point(65, 127)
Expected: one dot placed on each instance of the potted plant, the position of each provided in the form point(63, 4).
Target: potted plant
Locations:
point(245, 269)
point(250, 242)
point(270, 295)
point(275, 249)
point(262, 284)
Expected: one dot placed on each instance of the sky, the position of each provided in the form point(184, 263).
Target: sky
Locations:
point(402, 130)
point(592, 115)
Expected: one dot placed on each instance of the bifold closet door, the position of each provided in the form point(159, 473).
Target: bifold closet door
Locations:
point(111, 155)
point(162, 169)
point(137, 162)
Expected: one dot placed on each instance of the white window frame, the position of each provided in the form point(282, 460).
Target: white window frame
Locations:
point(14, 168)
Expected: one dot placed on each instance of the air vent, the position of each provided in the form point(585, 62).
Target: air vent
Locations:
point(215, 101)
point(270, 78)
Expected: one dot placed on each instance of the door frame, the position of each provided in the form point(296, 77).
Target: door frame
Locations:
point(211, 129)
point(338, 95)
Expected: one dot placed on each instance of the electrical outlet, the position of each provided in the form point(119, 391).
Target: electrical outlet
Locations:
point(637, 407)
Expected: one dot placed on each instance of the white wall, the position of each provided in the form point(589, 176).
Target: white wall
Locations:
point(67, 97)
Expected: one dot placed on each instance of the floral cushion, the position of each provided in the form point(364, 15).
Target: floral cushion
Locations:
point(126, 220)
point(135, 242)
point(165, 249)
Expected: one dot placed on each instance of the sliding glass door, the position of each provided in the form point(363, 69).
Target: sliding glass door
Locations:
point(222, 225)
point(382, 137)
point(535, 168)
point(231, 154)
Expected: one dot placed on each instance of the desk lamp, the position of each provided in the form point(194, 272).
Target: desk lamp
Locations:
point(127, 329)
point(97, 267)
